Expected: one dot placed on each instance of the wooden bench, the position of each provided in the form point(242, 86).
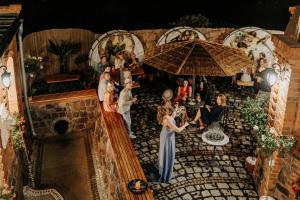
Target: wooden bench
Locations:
point(128, 165)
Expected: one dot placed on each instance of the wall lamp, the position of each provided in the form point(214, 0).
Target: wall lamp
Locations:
point(5, 77)
point(277, 71)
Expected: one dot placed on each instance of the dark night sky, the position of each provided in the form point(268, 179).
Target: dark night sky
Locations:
point(100, 16)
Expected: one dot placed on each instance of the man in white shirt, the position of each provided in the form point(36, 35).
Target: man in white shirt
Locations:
point(124, 103)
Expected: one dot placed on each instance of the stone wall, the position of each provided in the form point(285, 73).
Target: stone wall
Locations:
point(107, 160)
point(78, 108)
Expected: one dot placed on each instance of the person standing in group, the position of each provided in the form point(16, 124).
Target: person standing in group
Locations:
point(103, 85)
point(109, 103)
point(166, 156)
point(124, 103)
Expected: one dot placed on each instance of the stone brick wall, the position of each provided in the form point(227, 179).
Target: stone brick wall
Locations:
point(78, 108)
point(107, 160)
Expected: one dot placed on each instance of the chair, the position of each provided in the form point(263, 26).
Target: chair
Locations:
point(223, 118)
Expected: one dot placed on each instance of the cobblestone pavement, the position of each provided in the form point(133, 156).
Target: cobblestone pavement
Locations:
point(228, 179)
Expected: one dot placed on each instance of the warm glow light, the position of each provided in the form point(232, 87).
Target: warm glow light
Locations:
point(6, 79)
point(271, 77)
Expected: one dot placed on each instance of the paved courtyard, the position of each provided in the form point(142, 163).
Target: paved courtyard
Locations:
point(228, 179)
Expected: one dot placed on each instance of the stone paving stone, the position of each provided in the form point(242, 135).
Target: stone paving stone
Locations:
point(190, 189)
point(220, 198)
point(209, 198)
point(215, 192)
point(205, 193)
point(187, 197)
point(209, 186)
point(223, 185)
point(181, 191)
point(237, 192)
point(225, 192)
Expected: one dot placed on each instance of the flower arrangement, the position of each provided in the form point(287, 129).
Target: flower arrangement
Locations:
point(33, 64)
point(6, 193)
point(18, 130)
point(255, 115)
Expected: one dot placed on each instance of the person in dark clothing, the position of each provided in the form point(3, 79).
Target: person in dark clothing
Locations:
point(260, 78)
point(132, 61)
point(208, 114)
point(203, 91)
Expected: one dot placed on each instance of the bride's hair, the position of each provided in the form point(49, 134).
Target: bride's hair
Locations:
point(163, 111)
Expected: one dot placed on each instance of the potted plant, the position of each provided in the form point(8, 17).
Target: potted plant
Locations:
point(255, 113)
point(63, 50)
point(81, 59)
point(33, 66)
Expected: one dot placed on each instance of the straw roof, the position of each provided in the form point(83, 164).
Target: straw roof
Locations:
point(197, 58)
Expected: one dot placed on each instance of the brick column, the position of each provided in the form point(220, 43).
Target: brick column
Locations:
point(284, 115)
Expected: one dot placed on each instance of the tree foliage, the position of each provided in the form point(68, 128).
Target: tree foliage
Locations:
point(195, 21)
point(63, 50)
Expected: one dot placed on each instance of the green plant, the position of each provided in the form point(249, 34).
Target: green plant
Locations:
point(196, 21)
point(6, 193)
point(33, 64)
point(63, 50)
point(255, 114)
point(17, 131)
point(81, 58)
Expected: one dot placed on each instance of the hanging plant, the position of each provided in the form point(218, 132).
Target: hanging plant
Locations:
point(18, 131)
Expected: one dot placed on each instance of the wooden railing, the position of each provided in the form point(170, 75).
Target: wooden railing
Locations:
point(117, 157)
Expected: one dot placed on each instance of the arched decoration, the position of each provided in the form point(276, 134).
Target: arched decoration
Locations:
point(180, 33)
point(252, 40)
point(112, 42)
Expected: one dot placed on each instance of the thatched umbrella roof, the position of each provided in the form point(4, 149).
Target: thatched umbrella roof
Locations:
point(197, 58)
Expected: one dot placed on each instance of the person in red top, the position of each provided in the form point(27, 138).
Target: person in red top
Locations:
point(184, 91)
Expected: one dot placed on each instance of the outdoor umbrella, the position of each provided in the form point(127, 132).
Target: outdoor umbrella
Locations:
point(197, 57)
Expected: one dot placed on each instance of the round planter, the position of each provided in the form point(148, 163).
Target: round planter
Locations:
point(250, 164)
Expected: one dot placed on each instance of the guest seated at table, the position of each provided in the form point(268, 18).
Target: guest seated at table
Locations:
point(209, 114)
point(184, 91)
point(103, 85)
point(109, 103)
point(203, 91)
point(198, 98)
